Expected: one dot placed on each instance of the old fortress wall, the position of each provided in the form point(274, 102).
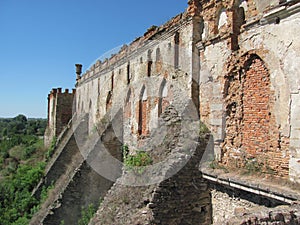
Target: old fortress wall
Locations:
point(233, 57)
point(237, 62)
point(137, 78)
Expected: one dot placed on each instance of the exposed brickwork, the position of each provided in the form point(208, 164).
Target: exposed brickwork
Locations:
point(127, 110)
point(258, 121)
point(252, 131)
point(144, 119)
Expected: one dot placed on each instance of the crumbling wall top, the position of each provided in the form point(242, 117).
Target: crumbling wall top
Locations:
point(152, 33)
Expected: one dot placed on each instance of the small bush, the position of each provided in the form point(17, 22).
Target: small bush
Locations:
point(45, 193)
point(203, 129)
point(138, 161)
point(21, 221)
point(125, 151)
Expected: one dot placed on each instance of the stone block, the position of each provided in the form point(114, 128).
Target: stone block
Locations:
point(216, 107)
point(216, 122)
point(295, 170)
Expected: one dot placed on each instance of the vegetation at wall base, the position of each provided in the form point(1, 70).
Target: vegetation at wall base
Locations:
point(87, 214)
point(51, 149)
point(203, 131)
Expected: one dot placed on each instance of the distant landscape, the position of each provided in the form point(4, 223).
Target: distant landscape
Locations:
point(22, 162)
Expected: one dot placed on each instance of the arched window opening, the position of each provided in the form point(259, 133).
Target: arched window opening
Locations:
point(128, 73)
point(158, 55)
point(238, 21)
point(163, 94)
point(143, 113)
point(222, 18)
point(158, 61)
point(78, 102)
point(149, 63)
point(90, 106)
point(239, 16)
point(112, 80)
point(127, 108)
point(176, 50)
point(108, 101)
point(99, 88)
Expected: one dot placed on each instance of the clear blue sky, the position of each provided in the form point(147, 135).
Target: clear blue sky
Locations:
point(41, 40)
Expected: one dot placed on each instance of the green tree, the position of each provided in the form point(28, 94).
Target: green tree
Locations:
point(20, 118)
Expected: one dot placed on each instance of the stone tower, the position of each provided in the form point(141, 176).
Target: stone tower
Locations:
point(59, 113)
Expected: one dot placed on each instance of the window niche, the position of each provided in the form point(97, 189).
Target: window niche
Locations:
point(143, 113)
point(128, 73)
point(149, 63)
point(176, 50)
point(112, 81)
point(158, 61)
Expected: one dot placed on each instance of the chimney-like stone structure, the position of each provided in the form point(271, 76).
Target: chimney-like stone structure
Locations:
point(78, 71)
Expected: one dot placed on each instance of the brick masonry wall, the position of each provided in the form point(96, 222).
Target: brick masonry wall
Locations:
point(144, 119)
point(251, 128)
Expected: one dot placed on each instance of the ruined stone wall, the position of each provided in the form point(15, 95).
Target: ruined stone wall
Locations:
point(86, 187)
point(239, 211)
point(248, 103)
point(140, 78)
point(180, 199)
